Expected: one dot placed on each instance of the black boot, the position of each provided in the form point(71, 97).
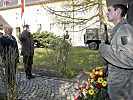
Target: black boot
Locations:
point(27, 74)
point(29, 71)
point(30, 74)
point(28, 77)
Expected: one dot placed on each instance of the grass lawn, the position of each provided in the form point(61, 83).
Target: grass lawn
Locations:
point(79, 59)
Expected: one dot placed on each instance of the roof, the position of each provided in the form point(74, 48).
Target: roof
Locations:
point(17, 3)
point(2, 22)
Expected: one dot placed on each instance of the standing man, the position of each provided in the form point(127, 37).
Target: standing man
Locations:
point(1, 30)
point(27, 51)
point(1, 34)
point(119, 55)
point(9, 53)
point(66, 35)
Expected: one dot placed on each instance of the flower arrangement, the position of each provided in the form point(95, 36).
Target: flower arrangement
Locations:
point(95, 88)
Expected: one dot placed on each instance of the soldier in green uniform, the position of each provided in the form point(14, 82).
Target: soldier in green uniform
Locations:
point(119, 55)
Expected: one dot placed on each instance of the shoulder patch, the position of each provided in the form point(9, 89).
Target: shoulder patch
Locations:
point(124, 40)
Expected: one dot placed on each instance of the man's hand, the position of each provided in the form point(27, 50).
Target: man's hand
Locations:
point(101, 45)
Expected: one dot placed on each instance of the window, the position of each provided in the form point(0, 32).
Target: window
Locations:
point(6, 2)
point(39, 26)
point(91, 33)
point(19, 2)
point(51, 26)
point(18, 30)
point(82, 25)
point(66, 26)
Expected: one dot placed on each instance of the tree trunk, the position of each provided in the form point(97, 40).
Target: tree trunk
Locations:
point(130, 12)
point(102, 35)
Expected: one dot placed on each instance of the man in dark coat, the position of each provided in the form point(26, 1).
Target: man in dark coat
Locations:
point(27, 50)
point(9, 53)
point(119, 55)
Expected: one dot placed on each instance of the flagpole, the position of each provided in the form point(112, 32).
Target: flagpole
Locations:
point(23, 12)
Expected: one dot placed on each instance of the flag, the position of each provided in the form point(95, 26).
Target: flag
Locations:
point(22, 12)
point(5, 2)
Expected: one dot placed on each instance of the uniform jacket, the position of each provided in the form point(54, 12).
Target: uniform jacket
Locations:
point(27, 43)
point(119, 57)
point(9, 48)
point(119, 54)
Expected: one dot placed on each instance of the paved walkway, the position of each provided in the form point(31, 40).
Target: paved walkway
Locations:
point(49, 88)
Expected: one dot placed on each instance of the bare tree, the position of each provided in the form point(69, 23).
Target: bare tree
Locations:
point(77, 12)
point(102, 30)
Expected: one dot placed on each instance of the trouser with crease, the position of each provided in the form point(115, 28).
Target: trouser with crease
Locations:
point(28, 61)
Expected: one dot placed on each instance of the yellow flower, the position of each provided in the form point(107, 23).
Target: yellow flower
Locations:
point(93, 70)
point(100, 80)
point(91, 91)
point(88, 79)
point(104, 83)
point(92, 80)
point(96, 72)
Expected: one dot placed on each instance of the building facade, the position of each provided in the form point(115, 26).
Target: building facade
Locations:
point(38, 17)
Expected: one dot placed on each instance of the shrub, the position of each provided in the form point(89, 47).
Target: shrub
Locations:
point(44, 37)
point(60, 49)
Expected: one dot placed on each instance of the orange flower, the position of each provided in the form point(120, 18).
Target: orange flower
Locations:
point(87, 85)
point(99, 67)
point(92, 75)
point(100, 73)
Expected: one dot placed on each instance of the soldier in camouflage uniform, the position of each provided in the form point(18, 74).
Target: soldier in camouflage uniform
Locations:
point(119, 55)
